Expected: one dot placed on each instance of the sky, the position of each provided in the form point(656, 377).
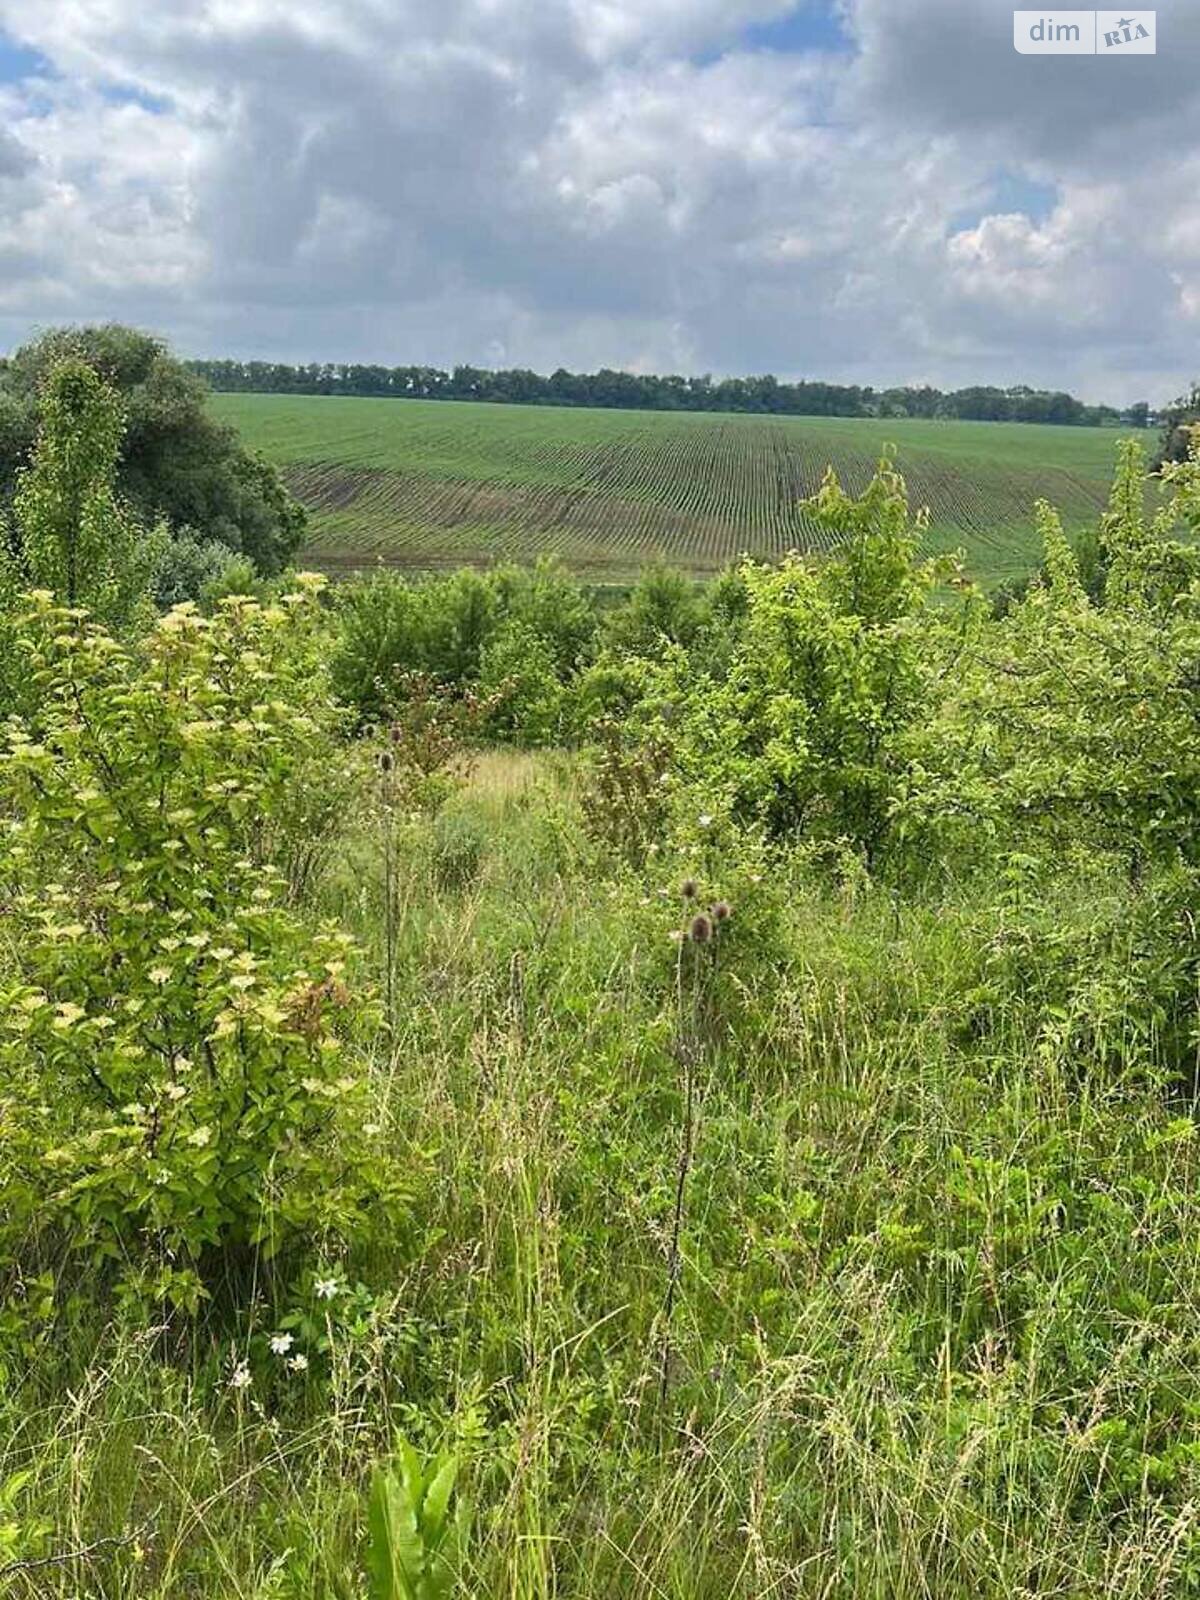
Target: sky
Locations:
point(870, 191)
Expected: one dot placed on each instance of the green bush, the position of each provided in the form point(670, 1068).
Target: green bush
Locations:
point(520, 634)
point(664, 608)
point(70, 532)
point(517, 671)
point(177, 1091)
point(546, 600)
point(1069, 726)
point(191, 568)
point(75, 535)
point(380, 632)
point(797, 723)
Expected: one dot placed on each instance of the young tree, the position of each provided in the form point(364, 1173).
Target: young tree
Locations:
point(799, 726)
point(73, 535)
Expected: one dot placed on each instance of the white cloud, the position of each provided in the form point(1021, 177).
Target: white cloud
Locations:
point(616, 181)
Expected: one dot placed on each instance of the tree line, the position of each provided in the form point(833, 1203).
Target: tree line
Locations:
point(764, 395)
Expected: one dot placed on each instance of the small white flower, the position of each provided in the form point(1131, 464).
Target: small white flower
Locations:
point(241, 1378)
point(325, 1288)
point(706, 821)
point(298, 1363)
point(281, 1343)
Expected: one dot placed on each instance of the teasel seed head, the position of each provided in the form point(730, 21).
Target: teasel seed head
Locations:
point(701, 930)
point(688, 889)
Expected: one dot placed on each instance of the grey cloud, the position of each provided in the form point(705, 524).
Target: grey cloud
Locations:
point(594, 181)
point(950, 65)
point(15, 160)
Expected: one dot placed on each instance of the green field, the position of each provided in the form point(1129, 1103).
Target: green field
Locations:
point(434, 483)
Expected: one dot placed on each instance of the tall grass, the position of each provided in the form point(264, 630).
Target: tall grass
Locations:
point(934, 1329)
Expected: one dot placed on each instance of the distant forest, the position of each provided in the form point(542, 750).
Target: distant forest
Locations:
point(760, 396)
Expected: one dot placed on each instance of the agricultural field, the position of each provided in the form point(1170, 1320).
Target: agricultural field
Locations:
point(428, 484)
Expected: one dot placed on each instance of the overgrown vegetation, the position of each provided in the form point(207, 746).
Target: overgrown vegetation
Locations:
point(179, 465)
point(695, 1099)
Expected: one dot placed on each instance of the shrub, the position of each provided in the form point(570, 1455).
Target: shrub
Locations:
point(236, 577)
point(665, 607)
point(461, 614)
point(74, 535)
point(518, 672)
point(525, 628)
point(191, 568)
point(547, 600)
point(380, 631)
point(797, 723)
point(69, 531)
point(1084, 736)
point(177, 1088)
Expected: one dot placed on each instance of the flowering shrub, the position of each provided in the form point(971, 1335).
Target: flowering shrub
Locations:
point(175, 1078)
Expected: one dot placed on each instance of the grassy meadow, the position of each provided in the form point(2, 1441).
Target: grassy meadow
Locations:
point(427, 484)
point(934, 1313)
point(509, 1098)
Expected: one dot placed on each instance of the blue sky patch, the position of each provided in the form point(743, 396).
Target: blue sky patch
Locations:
point(126, 94)
point(1007, 193)
point(17, 62)
point(807, 27)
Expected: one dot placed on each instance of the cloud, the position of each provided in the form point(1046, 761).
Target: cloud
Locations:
point(950, 66)
point(15, 160)
point(630, 182)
